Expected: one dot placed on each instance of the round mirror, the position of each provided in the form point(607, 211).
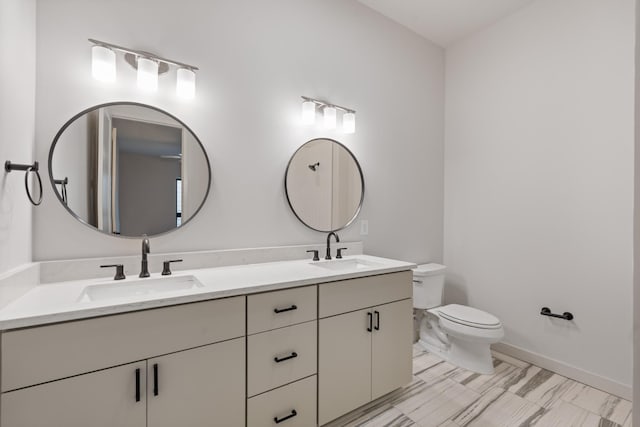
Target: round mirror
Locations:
point(129, 169)
point(324, 185)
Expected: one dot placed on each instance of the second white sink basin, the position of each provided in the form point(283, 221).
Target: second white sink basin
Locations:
point(346, 264)
point(142, 287)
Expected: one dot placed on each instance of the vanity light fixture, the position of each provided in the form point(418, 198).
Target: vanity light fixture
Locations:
point(349, 123)
point(185, 83)
point(308, 112)
point(329, 110)
point(147, 74)
point(103, 64)
point(329, 117)
point(149, 66)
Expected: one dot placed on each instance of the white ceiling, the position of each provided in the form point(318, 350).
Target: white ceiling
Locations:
point(445, 21)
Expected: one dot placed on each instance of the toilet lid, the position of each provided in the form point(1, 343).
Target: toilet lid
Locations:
point(469, 316)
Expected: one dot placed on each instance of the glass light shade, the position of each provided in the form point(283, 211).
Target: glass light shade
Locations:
point(186, 83)
point(329, 118)
point(103, 64)
point(349, 123)
point(147, 74)
point(308, 113)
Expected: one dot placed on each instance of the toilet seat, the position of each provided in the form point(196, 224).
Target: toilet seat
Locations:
point(467, 316)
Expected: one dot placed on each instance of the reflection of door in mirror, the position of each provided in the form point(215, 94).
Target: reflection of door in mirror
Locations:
point(115, 212)
point(347, 187)
point(311, 184)
point(104, 170)
point(194, 165)
point(149, 159)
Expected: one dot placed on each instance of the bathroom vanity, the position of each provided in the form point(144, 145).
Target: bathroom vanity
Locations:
point(292, 343)
point(296, 343)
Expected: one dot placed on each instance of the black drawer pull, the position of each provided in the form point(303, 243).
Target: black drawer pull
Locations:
point(282, 310)
point(370, 319)
point(156, 387)
point(292, 356)
point(377, 327)
point(138, 385)
point(291, 415)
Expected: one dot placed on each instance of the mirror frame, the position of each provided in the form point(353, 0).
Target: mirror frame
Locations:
point(137, 104)
point(355, 159)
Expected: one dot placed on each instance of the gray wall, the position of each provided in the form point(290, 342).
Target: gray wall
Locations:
point(17, 117)
point(539, 180)
point(256, 59)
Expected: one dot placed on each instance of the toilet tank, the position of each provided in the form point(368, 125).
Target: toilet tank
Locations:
point(428, 285)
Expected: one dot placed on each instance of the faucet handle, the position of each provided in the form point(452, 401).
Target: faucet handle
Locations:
point(166, 266)
point(316, 257)
point(339, 255)
point(119, 271)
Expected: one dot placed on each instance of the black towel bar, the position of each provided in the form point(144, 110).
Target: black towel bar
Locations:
point(546, 311)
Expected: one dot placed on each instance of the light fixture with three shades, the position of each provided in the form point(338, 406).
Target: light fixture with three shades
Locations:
point(149, 66)
point(329, 112)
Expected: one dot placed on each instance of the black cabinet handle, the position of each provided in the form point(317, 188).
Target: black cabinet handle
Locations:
point(370, 319)
point(282, 310)
point(377, 327)
point(138, 385)
point(291, 415)
point(292, 356)
point(155, 379)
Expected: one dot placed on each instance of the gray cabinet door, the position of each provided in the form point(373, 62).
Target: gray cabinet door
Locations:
point(204, 386)
point(104, 398)
point(391, 350)
point(344, 364)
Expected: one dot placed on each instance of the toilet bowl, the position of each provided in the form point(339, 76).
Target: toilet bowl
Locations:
point(458, 334)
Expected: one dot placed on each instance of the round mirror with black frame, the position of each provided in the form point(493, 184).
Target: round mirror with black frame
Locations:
point(128, 169)
point(324, 185)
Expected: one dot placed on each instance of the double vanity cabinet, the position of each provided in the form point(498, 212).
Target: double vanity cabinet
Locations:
point(296, 356)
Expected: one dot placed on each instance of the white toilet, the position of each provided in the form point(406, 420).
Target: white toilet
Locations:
point(458, 334)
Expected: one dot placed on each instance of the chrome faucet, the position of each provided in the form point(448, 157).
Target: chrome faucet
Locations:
point(144, 272)
point(329, 243)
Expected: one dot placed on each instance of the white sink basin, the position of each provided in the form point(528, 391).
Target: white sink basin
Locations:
point(346, 264)
point(142, 287)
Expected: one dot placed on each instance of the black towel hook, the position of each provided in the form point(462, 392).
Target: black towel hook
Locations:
point(10, 167)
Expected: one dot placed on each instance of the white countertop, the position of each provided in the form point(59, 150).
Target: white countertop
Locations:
point(62, 301)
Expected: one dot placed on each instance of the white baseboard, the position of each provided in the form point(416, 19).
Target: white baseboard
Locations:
point(577, 374)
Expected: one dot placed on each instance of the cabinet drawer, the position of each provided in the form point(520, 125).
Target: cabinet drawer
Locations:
point(355, 294)
point(273, 310)
point(264, 373)
point(36, 355)
point(296, 400)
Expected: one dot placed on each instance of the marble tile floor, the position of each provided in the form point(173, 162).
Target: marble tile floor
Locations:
point(518, 394)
